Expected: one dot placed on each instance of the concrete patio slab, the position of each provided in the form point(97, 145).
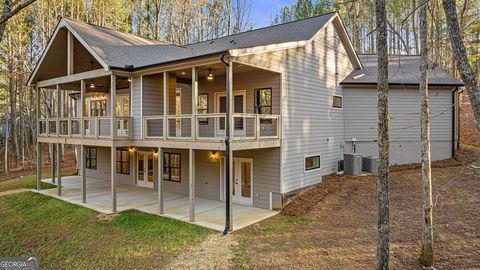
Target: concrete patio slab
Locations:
point(208, 213)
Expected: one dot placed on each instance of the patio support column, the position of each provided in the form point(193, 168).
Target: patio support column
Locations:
point(52, 158)
point(191, 181)
point(83, 173)
point(113, 133)
point(112, 177)
point(59, 145)
point(160, 181)
point(194, 102)
point(165, 103)
point(59, 169)
point(39, 149)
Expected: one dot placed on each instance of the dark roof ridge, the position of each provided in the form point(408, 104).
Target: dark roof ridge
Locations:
point(261, 28)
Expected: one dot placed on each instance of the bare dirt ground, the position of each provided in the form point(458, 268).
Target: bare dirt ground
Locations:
point(68, 165)
point(213, 253)
point(333, 226)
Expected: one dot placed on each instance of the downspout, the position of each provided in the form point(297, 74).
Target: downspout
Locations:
point(227, 152)
point(456, 119)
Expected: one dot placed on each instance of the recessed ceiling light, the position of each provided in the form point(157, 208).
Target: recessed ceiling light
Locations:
point(183, 73)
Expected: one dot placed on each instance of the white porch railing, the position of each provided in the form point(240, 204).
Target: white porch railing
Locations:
point(153, 127)
point(179, 127)
point(210, 126)
point(93, 127)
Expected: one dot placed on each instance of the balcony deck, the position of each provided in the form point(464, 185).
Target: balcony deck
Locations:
point(204, 131)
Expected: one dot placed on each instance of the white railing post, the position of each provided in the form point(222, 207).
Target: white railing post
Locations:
point(82, 108)
point(96, 126)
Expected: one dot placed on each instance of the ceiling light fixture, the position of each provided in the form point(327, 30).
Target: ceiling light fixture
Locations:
point(91, 85)
point(210, 75)
point(130, 79)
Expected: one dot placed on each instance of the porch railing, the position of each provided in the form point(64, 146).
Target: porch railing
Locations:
point(179, 127)
point(210, 126)
point(93, 127)
point(153, 127)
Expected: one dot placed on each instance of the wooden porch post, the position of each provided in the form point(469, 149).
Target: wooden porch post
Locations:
point(113, 133)
point(59, 145)
point(191, 181)
point(83, 172)
point(82, 108)
point(59, 169)
point(39, 149)
point(160, 181)
point(194, 102)
point(52, 158)
point(113, 105)
point(165, 103)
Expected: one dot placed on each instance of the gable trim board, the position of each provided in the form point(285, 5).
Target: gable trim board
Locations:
point(62, 23)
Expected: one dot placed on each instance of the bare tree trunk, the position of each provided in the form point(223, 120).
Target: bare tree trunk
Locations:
point(383, 226)
point(469, 77)
point(414, 27)
point(426, 253)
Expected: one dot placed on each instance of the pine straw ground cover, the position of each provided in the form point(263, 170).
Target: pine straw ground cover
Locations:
point(333, 226)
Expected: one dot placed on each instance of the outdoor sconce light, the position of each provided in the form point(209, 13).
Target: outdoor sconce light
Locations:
point(213, 155)
point(131, 149)
point(155, 154)
point(130, 79)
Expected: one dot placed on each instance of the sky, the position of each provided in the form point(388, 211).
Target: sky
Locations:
point(263, 10)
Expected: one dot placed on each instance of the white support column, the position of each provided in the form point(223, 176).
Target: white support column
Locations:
point(82, 108)
point(59, 169)
point(39, 149)
point(52, 158)
point(230, 190)
point(191, 181)
point(113, 105)
point(113, 171)
point(165, 103)
point(194, 102)
point(160, 181)
point(83, 173)
point(59, 109)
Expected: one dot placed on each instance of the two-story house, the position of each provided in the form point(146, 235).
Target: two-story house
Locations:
point(226, 126)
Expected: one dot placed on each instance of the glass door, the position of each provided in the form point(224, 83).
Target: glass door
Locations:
point(238, 107)
point(145, 169)
point(123, 112)
point(242, 189)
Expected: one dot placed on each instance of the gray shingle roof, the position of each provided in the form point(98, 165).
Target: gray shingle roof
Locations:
point(118, 49)
point(402, 69)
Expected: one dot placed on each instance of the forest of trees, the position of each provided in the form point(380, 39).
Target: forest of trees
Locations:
point(26, 34)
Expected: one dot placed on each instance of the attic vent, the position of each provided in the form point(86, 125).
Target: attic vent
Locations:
point(359, 76)
point(211, 42)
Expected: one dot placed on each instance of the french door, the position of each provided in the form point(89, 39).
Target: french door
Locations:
point(242, 180)
point(239, 104)
point(145, 169)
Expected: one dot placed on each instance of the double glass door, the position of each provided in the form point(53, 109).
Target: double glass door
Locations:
point(145, 169)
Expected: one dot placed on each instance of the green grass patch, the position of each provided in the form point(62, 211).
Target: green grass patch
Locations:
point(28, 182)
point(63, 235)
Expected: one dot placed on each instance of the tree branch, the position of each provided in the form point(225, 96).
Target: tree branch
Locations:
point(17, 9)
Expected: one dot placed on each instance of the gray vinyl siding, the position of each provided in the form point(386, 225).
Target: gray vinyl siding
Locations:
point(361, 122)
point(310, 76)
point(266, 173)
point(153, 95)
point(136, 107)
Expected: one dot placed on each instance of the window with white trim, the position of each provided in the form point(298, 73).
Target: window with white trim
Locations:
point(312, 163)
point(337, 102)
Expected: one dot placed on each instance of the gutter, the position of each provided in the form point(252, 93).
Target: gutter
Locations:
point(227, 151)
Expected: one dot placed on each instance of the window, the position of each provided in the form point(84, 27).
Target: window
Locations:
point(91, 158)
point(263, 101)
point(202, 108)
point(98, 107)
point(337, 102)
point(312, 163)
point(123, 161)
point(171, 167)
